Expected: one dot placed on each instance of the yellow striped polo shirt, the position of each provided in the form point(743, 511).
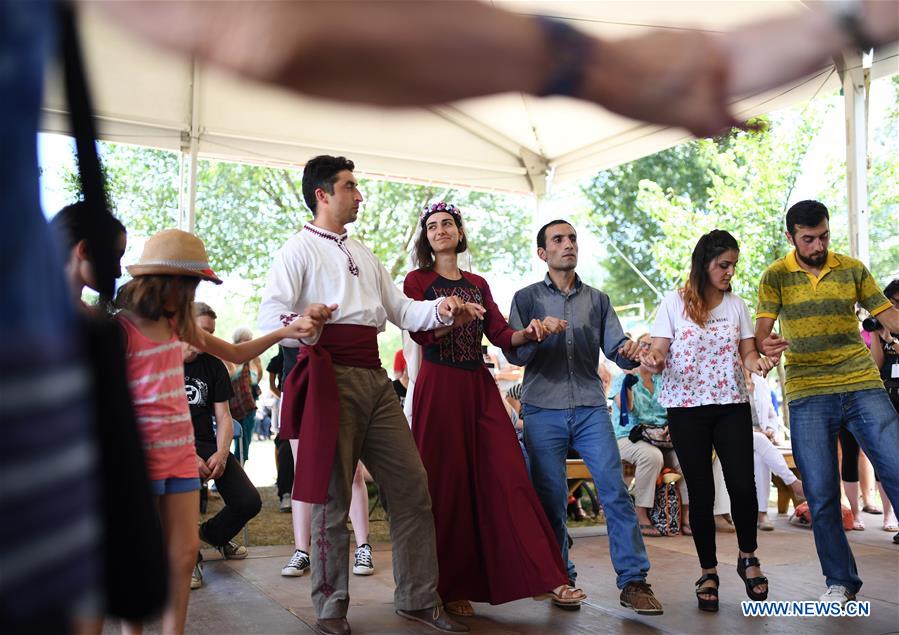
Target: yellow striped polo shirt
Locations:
point(817, 317)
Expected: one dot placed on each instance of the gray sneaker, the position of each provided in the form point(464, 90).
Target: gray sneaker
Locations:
point(196, 578)
point(233, 551)
point(285, 506)
point(297, 566)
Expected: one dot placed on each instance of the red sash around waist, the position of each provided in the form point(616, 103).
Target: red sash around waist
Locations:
point(310, 406)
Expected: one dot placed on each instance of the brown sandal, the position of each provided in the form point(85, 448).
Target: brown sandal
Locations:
point(568, 597)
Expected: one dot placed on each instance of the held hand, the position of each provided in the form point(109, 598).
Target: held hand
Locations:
point(461, 312)
point(535, 331)
point(554, 325)
point(319, 313)
point(470, 312)
point(205, 472)
point(302, 327)
point(761, 366)
point(653, 361)
point(773, 346)
point(630, 349)
point(453, 306)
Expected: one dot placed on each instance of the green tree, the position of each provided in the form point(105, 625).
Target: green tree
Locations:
point(616, 216)
point(657, 207)
point(883, 188)
point(246, 212)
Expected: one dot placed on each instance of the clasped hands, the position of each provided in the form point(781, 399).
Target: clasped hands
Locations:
point(538, 330)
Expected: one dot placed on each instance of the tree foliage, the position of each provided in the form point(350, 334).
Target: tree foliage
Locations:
point(883, 187)
point(655, 208)
point(246, 212)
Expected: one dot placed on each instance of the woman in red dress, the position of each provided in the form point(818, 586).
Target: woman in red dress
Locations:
point(494, 543)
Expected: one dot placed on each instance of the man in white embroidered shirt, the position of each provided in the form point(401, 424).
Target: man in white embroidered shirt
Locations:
point(340, 404)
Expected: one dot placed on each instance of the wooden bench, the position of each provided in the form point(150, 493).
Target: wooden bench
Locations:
point(784, 493)
point(579, 473)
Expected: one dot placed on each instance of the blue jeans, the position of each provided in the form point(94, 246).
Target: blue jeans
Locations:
point(814, 426)
point(548, 435)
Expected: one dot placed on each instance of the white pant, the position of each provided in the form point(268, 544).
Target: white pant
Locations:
point(768, 459)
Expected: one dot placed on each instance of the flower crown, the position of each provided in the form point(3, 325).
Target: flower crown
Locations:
point(440, 206)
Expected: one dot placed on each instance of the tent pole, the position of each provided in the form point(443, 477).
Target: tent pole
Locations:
point(856, 83)
point(190, 148)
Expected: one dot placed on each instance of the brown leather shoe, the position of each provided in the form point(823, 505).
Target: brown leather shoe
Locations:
point(434, 617)
point(639, 597)
point(332, 626)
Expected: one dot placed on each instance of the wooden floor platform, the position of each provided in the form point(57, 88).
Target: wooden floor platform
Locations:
point(250, 596)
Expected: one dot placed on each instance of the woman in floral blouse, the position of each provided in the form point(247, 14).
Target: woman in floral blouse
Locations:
point(701, 341)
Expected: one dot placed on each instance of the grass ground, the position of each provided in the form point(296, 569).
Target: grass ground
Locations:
point(273, 527)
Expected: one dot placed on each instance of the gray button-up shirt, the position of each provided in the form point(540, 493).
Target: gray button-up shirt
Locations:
point(561, 371)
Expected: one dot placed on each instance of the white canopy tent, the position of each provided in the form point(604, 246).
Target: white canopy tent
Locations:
point(513, 142)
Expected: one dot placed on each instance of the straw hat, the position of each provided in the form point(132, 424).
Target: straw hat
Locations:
point(174, 252)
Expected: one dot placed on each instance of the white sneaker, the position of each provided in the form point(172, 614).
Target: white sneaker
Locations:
point(363, 564)
point(837, 593)
point(196, 578)
point(298, 565)
point(284, 506)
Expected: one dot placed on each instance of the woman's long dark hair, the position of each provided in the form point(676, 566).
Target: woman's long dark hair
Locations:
point(709, 247)
point(423, 256)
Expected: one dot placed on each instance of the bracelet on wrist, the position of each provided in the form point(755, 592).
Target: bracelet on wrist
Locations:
point(568, 48)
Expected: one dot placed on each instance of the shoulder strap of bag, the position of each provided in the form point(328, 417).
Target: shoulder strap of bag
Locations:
point(100, 231)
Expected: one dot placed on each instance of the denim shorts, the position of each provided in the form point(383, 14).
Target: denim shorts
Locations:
point(174, 486)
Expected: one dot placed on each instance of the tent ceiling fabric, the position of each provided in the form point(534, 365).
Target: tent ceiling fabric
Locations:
point(506, 142)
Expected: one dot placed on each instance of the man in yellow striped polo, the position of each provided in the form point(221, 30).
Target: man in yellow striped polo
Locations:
point(831, 377)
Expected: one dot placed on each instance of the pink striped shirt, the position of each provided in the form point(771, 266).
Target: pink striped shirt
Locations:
point(156, 379)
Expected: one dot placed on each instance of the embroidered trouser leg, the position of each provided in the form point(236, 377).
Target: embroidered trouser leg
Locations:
point(373, 428)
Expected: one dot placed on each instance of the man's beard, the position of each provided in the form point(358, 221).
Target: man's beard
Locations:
point(817, 261)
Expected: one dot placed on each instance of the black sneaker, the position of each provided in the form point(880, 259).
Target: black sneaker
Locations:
point(363, 564)
point(298, 565)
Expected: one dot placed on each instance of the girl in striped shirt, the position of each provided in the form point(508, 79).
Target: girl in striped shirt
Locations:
point(157, 316)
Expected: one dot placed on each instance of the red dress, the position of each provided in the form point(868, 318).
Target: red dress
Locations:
point(494, 543)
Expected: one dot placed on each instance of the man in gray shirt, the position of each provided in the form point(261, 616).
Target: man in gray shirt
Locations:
point(564, 405)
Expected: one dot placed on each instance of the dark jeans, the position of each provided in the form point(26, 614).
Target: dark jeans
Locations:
point(242, 501)
point(728, 429)
point(284, 463)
